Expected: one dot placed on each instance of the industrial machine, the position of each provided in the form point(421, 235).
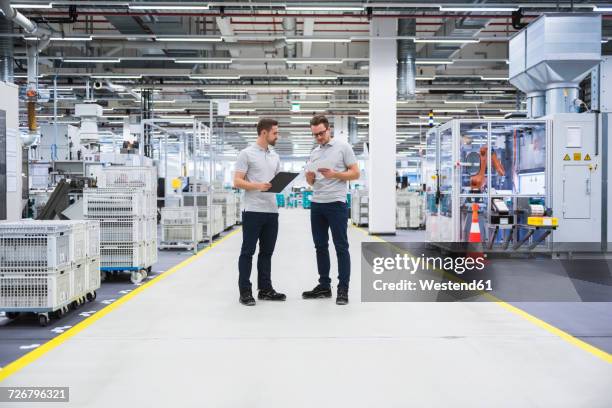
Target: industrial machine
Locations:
point(539, 183)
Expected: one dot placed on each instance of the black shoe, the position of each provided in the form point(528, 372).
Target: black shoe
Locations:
point(318, 292)
point(246, 298)
point(270, 294)
point(342, 298)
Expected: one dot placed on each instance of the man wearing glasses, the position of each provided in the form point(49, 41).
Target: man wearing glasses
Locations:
point(328, 210)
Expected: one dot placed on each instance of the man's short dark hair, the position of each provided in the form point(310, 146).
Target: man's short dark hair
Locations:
point(319, 119)
point(266, 124)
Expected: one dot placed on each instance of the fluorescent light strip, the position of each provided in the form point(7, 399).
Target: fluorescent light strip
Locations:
point(485, 78)
point(433, 62)
point(32, 6)
point(93, 61)
point(460, 101)
point(214, 77)
point(224, 91)
point(203, 61)
point(116, 76)
point(595, 8)
point(86, 38)
point(190, 39)
point(485, 9)
point(318, 40)
point(324, 8)
point(447, 40)
point(311, 102)
point(305, 61)
point(166, 6)
point(312, 78)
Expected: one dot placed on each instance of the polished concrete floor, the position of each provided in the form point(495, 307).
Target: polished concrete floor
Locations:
point(186, 341)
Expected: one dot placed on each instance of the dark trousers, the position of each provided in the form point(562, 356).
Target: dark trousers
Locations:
point(262, 227)
point(334, 217)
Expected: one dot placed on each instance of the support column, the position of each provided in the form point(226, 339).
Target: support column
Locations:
point(341, 128)
point(382, 127)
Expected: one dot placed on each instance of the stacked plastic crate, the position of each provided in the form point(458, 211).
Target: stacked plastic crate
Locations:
point(125, 203)
point(359, 207)
point(227, 201)
point(410, 210)
point(215, 223)
point(238, 207)
point(46, 267)
point(180, 227)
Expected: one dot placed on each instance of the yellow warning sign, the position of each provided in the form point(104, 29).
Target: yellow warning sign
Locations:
point(577, 156)
point(567, 157)
point(587, 157)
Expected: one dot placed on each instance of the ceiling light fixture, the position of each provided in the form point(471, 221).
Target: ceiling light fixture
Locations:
point(306, 61)
point(312, 78)
point(203, 61)
point(214, 77)
point(324, 8)
point(189, 39)
point(485, 9)
point(447, 40)
point(115, 76)
point(433, 62)
point(92, 61)
point(167, 6)
point(32, 5)
point(75, 38)
point(317, 40)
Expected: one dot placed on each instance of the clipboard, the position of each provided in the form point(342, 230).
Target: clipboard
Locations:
point(281, 180)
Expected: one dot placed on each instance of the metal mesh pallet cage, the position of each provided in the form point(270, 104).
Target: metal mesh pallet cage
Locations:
point(36, 291)
point(92, 271)
point(122, 256)
point(36, 245)
point(179, 215)
point(123, 229)
point(113, 202)
point(181, 234)
point(129, 177)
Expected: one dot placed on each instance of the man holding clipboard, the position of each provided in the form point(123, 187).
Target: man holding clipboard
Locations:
point(256, 166)
point(332, 164)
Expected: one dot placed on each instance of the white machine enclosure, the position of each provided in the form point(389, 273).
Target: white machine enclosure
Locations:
point(11, 149)
point(566, 177)
point(576, 162)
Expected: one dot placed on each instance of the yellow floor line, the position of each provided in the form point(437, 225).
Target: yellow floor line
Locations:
point(605, 356)
point(35, 354)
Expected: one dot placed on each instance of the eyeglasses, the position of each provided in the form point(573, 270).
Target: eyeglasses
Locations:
point(319, 134)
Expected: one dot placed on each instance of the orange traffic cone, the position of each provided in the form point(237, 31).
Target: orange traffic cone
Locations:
point(475, 228)
point(474, 239)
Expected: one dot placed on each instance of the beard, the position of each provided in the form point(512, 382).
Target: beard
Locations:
point(272, 142)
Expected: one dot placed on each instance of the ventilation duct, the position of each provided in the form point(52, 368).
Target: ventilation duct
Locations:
point(406, 67)
point(6, 50)
point(550, 57)
point(289, 27)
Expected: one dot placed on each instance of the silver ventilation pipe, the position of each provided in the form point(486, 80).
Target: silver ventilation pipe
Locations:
point(289, 27)
point(6, 51)
point(406, 66)
point(28, 25)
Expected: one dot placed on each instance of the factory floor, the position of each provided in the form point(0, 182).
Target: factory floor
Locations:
point(183, 339)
